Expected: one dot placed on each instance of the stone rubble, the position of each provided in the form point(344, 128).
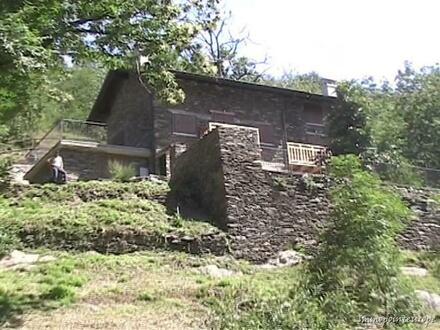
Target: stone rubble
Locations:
point(19, 260)
point(430, 300)
point(414, 271)
point(286, 258)
point(215, 271)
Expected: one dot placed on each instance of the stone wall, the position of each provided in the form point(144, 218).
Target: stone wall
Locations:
point(197, 182)
point(88, 164)
point(264, 212)
point(423, 233)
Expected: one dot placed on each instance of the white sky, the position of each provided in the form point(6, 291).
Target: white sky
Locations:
point(340, 39)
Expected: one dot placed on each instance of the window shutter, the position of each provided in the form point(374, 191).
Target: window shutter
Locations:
point(267, 134)
point(184, 124)
point(223, 117)
point(313, 113)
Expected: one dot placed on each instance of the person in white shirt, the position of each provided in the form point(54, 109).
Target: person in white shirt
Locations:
point(57, 168)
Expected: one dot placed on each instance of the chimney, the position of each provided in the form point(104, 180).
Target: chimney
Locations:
point(328, 87)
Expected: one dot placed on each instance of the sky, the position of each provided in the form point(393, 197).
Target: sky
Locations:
point(339, 39)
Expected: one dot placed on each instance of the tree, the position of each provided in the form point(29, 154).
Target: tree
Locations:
point(308, 82)
point(347, 121)
point(76, 91)
point(217, 47)
point(418, 100)
point(356, 269)
point(38, 36)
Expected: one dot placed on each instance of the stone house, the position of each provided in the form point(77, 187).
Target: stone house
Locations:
point(143, 131)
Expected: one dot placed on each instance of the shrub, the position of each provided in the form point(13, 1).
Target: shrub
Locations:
point(8, 242)
point(5, 164)
point(121, 172)
point(356, 270)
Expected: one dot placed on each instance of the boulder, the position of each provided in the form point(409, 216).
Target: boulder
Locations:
point(215, 271)
point(19, 260)
point(285, 259)
point(414, 271)
point(430, 300)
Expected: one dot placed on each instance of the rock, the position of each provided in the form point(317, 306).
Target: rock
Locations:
point(47, 259)
point(414, 271)
point(285, 259)
point(16, 258)
point(431, 300)
point(214, 271)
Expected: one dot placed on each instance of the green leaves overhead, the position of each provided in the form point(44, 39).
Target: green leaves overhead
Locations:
point(35, 35)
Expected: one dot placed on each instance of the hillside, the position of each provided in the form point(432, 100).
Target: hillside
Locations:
point(103, 216)
point(104, 255)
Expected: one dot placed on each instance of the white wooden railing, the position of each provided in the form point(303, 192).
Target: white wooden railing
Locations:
point(303, 154)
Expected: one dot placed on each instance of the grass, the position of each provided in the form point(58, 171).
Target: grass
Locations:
point(44, 287)
point(90, 190)
point(78, 215)
point(147, 290)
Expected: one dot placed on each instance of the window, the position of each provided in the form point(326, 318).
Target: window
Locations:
point(267, 134)
point(313, 118)
point(184, 124)
point(313, 113)
point(223, 117)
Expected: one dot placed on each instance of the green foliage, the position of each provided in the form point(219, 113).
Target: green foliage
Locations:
point(358, 262)
point(347, 121)
point(71, 94)
point(8, 242)
point(147, 297)
point(44, 287)
point(345, 166)
point(5, 165)
point(78, 217)
point(308, 82)
point(121, 172)
point(87, 191)
point(38, 40)
point(418, 99)
point(399, 124)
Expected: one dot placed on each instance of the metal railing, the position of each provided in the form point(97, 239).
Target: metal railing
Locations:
point(407, 174)
point(303, 154)
point(68, 129)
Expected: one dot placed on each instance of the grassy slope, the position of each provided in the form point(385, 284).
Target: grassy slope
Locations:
point(78, 212)
point(85, 290)
point(148, 290)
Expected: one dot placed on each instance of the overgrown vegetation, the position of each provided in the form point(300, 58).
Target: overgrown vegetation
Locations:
point(394, 129)
point(355, 272)
point(84, 215)
point(121, 172)
point(43, 287)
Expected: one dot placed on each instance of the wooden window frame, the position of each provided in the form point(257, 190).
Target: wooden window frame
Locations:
point(174, 131)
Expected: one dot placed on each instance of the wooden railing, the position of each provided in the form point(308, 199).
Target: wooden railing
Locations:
point(303, 154)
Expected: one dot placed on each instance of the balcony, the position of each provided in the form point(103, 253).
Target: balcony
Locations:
point(68, 129)
point(302, 155)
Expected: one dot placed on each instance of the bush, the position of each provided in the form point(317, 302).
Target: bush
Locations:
point(8, 242)
point(121, 172)
point(358, 261)
point(5, 164)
